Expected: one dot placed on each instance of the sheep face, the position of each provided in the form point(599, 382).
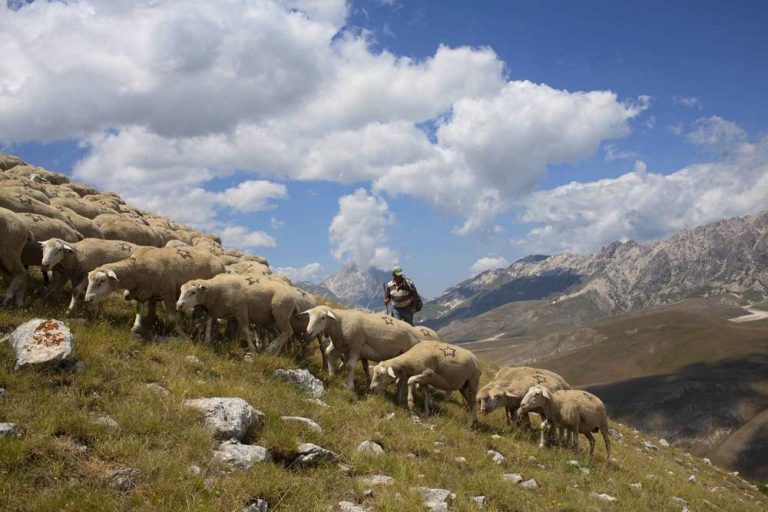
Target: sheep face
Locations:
point(192, 294)
point(318, 320)
point(535, 398)
point(54, 251)
point(492, 400)
point(100, 284)
point(381, 377)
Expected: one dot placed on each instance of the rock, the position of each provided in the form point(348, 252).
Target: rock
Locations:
point(157, 388)
point(707, 461)
point(306, 421)
point(389, 416)
point(497, 458)
point(379, 480)
point(241, 456)
point(227, 417)
point(256, 505)
point(318, 403)
point(635, 486)
point(664, 443)
point(496, 436)
point(9, 430)
point(348, 506)
point(532, 459)
point(435, 499)
point(303, 379)
point(530, 484)
point(615, 434)
point(574, 463)
point(585, 471)
point(194, 470)
point(650, 446)
point(370, 448)
point(515, 478)
point(193, 360)
point(123, 479)
point(460, 460)
point(735, 473)
point(41, 341)
point(105, 421)
point(2, 392)
point(310, 455)
point(480, 501)
point(692, 479)
point(679, 501)
point(603, 497)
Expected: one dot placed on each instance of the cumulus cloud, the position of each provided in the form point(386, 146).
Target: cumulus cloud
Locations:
point(253, 195)
point(488, 263)
point(612, 152)
point(358, 233)
point(716, 132)
point(245, 239)
point(311, 272)
point(642, 205)
point(688, 101)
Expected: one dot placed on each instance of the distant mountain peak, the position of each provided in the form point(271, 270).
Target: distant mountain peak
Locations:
point(359, 287)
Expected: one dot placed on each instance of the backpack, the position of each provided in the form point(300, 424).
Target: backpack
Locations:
point(417, 302)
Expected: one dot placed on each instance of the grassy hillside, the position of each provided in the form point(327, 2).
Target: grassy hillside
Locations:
point(64, 461)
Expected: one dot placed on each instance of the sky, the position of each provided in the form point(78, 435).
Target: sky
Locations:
point(448, 137)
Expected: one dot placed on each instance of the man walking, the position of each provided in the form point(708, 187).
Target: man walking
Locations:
point(402, 293)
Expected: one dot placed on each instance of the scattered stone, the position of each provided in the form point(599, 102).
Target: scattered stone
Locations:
point(310, 454)
point(436, 500)
point(306, 421)
point(368, 493)
point(692, 479)
point(679, 501)
point(603, 497)
point(515, 478)
point(735, 473)
point(303, 379)
point(497, 458)
point(41, 341)
point(193, 360)
point(380, 480)
point(123, 479)
point(318, 402)
point(194, 470)
point(495, 436)
point(585, 471)
point(227, 417)
point(574, 463)
point(105, 421)
point(480, 501)
point(348, 506)
point(248, 358)
point(241, 456)
point(9, 430)
point(157, 388)
point(664, 443)
point(650, 446)
point(532, 459)
point(530, 484)
point(370, 448)
point(2, 391)
point(615, 434)
point(707, 461)
point(636, 486)
point(389, 416)
point(256, 505)
point(460, 460)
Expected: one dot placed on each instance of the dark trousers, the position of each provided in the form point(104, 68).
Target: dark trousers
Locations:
point(405, 314)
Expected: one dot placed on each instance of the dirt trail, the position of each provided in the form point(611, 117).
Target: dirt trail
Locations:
point(754, 315)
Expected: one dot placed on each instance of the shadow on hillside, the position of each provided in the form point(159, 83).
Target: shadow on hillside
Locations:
point(700, 407)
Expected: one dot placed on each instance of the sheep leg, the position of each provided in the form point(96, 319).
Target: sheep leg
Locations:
point(402, 391)
point(469, 393)
point(411, 387)
point(366, 371)
point(351, 363)
point(544, 427)
point(136, 328)
point(576, 429)
point(170, 310)
point(17, 286)
point(606, 438)
point(322, 346)
point(285, 333)
point(331, 358)
point(427, 399)
point(591, 440)
point(245, 323)
point(208, 329)
point(425, 379)
point(77, 292)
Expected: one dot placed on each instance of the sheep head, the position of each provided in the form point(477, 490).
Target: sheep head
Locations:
point(381, 377)
point(535, 398)
point(192, 294)
point(54, 250)
point(319, 316)
point(100, 284)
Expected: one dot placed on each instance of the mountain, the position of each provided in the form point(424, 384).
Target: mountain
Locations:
point(358, 287)
point(729, 256)
point(319, 290)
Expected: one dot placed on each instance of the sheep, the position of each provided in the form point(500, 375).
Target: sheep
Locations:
point(14, 235)
point(130, 231)
point(247, 299)
point(81, 189)
point(28, 171)
point(85, 208)
point(576, 411)
point(10, 161)
point(84, 225)
point(510, 385)
point(21, 203)
point(360, 335)
point(432, 363)
point(79, 258)
point(13, 186)
point(43, 228)
point(152, 274)
point(248, 267)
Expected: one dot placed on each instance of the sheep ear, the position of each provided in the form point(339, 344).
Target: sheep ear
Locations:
point(331, 315)
point(111, 274)
point(545, 392)
point(69, 248)
point(511, 395)
point(203, 287)
point(305, 312)
point(391, 372)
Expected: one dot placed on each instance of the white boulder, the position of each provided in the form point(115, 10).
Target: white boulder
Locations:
point(370, 448)
point(241, 456)
point(302, 379)
point(41, 341)
point(227, 417)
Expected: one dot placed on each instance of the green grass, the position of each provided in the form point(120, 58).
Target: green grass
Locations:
point(46, 469)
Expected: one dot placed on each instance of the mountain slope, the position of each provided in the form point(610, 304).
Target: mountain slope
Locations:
point(358, 287)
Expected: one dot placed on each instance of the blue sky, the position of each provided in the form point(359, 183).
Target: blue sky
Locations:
point(440, 135)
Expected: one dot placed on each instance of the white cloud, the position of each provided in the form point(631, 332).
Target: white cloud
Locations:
point(253, 195)
point(612, 152)
point(275, 223)
point(641, 205)
point(675, 128)
point(716, 132)
point(488, 263)
point(688, 101)
point(245, 239)
point(311, 272)
point(358, 232)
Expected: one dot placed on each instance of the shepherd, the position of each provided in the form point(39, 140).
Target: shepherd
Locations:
point(403, 294)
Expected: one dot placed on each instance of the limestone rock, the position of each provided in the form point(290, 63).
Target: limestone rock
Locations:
point(497, 458)
point(227, 417)
point(348, 506)
point(480, 501)
point(105, 421)
point(157, 388)
point(435, 499)
point(257, 505)
point(380, 480)
point(603, 497)
point(306, 421)
point(530, 484)
point(193, 360)
point(663, 443)
point(9, 430)
point(370, 448)
point(41, 341)
point(242, 456)
point(515, 478)
point(310, 455)
point(302, 379)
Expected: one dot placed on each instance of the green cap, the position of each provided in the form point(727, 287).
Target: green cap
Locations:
point(397, 270)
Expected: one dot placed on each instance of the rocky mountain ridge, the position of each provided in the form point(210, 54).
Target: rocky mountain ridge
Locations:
point(357, 287)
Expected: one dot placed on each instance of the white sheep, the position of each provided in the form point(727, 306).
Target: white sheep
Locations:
point(360, 335)
point(79, 258)
point(14, 235)
point(576, 412)
point(152, 274)
point(432, 363)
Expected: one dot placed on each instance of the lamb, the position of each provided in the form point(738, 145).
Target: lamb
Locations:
point(14, 235)
point(130, 231)
point(79, 258)
point(436, 364)
point(360, 335)
point(512, 383)
point(43, 228)
point(152, 274)
point(578, 412)
point(247, 299)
